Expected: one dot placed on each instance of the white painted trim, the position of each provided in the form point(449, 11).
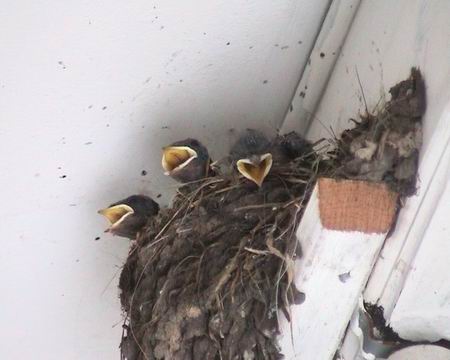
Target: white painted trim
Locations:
point(320, 65)
point(332, 274)
point(392, 268)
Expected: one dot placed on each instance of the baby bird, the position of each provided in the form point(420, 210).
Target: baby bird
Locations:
point(186, 160)
point(290, 146)
point(252, 156)
point(129, 216)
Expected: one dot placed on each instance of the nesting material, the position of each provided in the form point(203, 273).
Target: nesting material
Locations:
point(207, 278)
point(384, 145)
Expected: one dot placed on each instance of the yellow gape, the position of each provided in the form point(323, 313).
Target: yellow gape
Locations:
point(255, 171)
point(177, 157)
point(116, 213)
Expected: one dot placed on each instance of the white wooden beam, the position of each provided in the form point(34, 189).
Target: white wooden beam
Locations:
point(332, 274)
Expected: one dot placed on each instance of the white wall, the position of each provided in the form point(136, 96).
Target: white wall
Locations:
point(91, 90)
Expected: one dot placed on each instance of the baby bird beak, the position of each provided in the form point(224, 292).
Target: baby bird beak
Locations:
point(176, 158)
point(116, 214)
point(129, 216)
point(255, 168)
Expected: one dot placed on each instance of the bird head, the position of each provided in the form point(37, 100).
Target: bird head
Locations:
point(186, 160)
point(293, 145)
point(255, 167)
point(252, 155)
point(128, 216)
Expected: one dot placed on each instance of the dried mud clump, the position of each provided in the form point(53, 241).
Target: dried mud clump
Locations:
point(384, 146)
point(207, 278)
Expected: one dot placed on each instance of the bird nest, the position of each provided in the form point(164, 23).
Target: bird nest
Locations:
point(208, 277)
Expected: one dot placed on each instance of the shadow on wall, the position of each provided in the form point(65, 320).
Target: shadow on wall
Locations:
point(137, 162)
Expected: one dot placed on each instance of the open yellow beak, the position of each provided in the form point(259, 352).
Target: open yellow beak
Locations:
point(255, 172)
point(176, 157)
point(115, 214)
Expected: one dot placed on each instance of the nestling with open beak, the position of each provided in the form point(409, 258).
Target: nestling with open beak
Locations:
point(252, 156)
point(129, 216)
point(186, 160)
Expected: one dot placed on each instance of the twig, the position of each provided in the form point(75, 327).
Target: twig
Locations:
point(253, 207)
point(362, 90)
point(226, 273)
point(256, 251)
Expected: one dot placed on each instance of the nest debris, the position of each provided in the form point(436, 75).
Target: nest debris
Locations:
point(207, 277)
point(384, 146)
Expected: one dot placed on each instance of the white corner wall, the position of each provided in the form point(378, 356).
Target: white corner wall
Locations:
point(387, 38)
point(89, 92)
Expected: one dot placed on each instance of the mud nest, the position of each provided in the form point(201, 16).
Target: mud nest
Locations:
point(384, 145)
point(207, 277)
